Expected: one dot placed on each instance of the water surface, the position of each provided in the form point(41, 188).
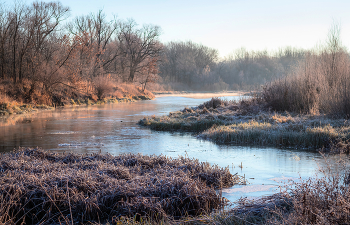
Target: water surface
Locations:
point(113, 128)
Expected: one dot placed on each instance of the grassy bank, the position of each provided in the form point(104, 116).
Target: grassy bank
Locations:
point(11, 108)
point(42, 187)
point(249, 122)
point(121, 93)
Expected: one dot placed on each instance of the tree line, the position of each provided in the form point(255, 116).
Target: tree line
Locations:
point(187, 65)
point(41, 54)
point(45, 57)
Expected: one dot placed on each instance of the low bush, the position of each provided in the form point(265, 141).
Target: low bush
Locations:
point(103, 86)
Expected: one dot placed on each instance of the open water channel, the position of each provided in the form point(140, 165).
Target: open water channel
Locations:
point(113, 128)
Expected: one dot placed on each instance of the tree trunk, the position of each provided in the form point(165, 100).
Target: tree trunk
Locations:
point(132, 75)
point(14, 61)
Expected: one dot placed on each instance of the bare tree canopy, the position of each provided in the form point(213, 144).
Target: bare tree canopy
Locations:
point(138, 44)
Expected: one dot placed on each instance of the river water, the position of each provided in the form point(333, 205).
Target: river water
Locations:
point(113, 128)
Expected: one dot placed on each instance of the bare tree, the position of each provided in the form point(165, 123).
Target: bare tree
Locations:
point(138, 45)
point(5, 26)
point(331, 53)
point(16, 18)
point(99, 34)
point(149, 73)
point(185, 61)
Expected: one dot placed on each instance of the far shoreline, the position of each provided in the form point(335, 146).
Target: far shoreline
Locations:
point(199, 95)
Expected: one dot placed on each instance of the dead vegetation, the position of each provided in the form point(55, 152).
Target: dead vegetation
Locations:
point(197, 119)
point(41, 187)
point(318, 84)
point(87, 58)
point(323, 199)
point(251, 122)
point(320, 200)
point(107, 92)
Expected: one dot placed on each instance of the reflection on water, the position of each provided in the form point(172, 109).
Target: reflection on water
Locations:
point(112, 128)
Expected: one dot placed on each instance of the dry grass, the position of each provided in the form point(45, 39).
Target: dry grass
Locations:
point(249, 122)
point(303, 132)
point(12, 108)
point(123, 90)
point(41, 187)
point(4, 98)
point(318, 84)
point(320, 200)
point(102, 90)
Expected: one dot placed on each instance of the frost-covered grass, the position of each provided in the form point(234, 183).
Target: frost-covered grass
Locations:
point(301, 134)
point(41, 187)
point(249, 122)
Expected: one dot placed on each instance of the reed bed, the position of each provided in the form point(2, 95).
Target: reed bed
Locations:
point(37, 186)
point(250, 122)
point(317, 84)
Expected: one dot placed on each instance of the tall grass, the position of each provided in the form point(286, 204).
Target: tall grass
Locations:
point(319, 84)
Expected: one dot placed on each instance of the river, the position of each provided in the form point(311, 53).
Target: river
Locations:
point(113, 128)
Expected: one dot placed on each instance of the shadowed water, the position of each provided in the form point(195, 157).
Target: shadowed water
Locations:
point(112, 128)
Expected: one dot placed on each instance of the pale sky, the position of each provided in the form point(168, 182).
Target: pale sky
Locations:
point(228, 25)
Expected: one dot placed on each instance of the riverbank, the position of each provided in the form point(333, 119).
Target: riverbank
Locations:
point(198, 95)
point(129, 93)
point(42, 187)
point(249, 122)
point(159, 144)
point(11, 114)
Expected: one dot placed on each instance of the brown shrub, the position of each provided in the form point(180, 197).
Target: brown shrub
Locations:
point(103, 86)
point(4, 98)
point(214, 103)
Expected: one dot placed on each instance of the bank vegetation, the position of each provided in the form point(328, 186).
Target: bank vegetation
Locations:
point(37, 186)
point(323, 199)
